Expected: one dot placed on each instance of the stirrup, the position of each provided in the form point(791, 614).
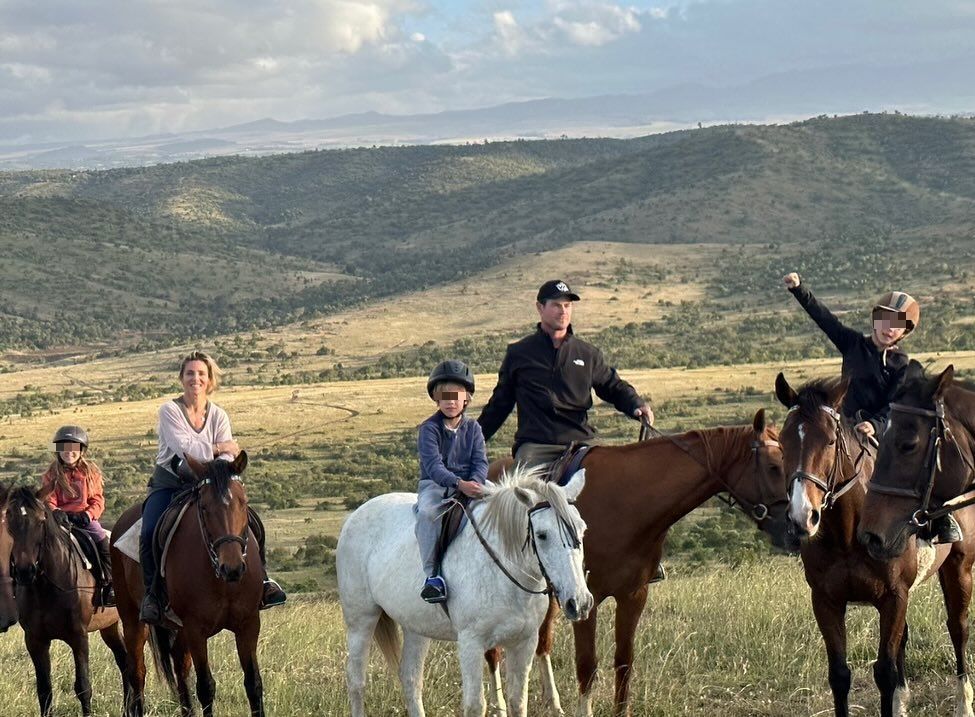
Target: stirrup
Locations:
point(272, 595)
point(660, 575)
point(434, 590)
point(946, 530)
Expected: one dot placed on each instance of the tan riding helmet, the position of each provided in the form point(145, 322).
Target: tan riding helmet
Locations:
point(901, 303)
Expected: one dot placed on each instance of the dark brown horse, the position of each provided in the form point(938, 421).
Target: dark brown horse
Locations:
point(8, 604)
point(55, 595)
point(925, 469)
point(633, 494)
point(829, 471)
point(213, 579)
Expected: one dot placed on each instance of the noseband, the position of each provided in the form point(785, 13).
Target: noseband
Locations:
point(213, 546)
point(828, 485)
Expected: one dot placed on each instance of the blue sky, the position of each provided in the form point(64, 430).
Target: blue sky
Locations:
point(115, 68)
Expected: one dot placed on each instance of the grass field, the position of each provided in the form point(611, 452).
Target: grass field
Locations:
point(735, 642)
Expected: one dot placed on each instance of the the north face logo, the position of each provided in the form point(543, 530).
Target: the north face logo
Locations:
point(562, 286)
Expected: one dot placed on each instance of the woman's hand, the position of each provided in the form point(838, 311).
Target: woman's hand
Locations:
point(230, 447)
point(470, 488)
point(791, 280)
point(866, 428)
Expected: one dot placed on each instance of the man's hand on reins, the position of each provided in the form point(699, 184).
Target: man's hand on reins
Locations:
point(470, 488)
point(644, 413)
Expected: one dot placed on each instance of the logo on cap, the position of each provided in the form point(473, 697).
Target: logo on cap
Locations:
point(562, 286)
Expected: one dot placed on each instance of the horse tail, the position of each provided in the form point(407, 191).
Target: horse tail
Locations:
point(161, 642)
point(388, 639)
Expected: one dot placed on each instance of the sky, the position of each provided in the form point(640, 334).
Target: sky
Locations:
point(71, 71)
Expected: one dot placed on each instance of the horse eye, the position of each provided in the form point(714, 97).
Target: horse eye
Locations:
point(908, 446)
point(543, 536)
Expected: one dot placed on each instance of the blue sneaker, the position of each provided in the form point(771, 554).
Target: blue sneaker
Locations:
point(434, 590)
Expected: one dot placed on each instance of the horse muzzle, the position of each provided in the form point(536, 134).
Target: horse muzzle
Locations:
point(576, 610)
point(24, 575)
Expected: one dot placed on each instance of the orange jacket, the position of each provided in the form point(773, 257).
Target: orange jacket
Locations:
point(89, 495)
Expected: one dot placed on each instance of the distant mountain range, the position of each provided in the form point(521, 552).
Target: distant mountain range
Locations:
point(930, 88)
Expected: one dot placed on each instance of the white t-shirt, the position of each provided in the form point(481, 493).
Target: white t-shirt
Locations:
point(178, 438)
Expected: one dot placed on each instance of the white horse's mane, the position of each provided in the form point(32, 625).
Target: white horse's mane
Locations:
point(507, 502)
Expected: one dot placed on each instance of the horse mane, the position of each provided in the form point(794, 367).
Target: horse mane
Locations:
point(506, 513)
point(220, 474)
point(815, 394)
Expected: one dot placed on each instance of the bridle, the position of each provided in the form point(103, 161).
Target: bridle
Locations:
point(213, 546)
point(567, 534)
point(832, 493)
point(939, 433)
point(757, 512)
point(8, 578)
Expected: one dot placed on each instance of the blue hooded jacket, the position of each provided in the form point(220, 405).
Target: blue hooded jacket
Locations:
point(448, 456)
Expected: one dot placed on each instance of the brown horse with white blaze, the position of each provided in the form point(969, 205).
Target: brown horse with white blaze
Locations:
point(925, 470)
point(8, 603)
point(214, 581)
point(633, 495)
point(55, 592)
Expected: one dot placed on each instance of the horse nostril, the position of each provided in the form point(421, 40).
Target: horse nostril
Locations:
point(814, 518)
point(570, 607)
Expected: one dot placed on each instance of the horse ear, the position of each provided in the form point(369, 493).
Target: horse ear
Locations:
point(914, 370)
point(784, 392)
point(760, 422)
point(944, 381)
point(44, 491)
point(524, 496)
point(575, 485)
point(838, 391)
point(199, 469)
point(239, 464)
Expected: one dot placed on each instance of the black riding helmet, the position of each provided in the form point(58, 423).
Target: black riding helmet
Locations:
point(451, 370)
point(71, 434)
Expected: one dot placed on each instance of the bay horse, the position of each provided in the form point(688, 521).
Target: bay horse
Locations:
point(523, 534)
point(634, 493)
point(925, 470)
point(55, 595)
point(829, 469)
point(214, 583)
point(8, 602)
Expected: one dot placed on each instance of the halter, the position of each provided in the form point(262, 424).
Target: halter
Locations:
point(567, 534)
point(829, 484)
point(939, 433)
point(213, 545)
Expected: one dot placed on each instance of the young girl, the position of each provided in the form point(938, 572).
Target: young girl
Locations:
point(77, 495)
point(452, 460)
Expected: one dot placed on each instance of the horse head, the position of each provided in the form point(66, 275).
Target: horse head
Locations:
point(31, 526)
point(925, 458)
point(221, 506)
point(816, 449)
point(8, 604)
point(526, 511)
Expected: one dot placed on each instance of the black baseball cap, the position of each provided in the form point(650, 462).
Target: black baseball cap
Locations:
point(555, 289)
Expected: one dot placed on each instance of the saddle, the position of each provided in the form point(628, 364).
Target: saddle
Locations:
point(84, 546)
point(566, 465)
point(166, 527)
point(450, 526)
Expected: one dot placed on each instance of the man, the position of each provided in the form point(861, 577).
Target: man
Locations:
point(550, 375)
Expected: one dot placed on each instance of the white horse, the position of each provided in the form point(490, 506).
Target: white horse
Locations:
point(536, 535)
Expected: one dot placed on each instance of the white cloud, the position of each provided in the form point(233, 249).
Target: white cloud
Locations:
point(595, 24)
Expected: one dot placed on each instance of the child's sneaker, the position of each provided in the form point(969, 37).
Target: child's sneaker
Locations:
point(434, 590)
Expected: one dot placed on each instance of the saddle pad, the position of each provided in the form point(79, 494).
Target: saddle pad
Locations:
point(128, 542)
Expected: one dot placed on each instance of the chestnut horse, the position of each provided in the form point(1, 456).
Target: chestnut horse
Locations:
point(214, 582)
point(925, 470)
point(8, 604)
point(633, 494)
point(55, 592)
point(829, 471)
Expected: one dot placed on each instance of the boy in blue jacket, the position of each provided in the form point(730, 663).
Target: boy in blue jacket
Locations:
point(452, 459)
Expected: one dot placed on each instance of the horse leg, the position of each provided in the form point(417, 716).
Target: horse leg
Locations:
point(112, 637)
point(893, 614)
point(246, 639)
point(584, 632)
point(516, 670)
point(956, 585)
point(135, 634)
point(82, 676)
point(831, 618)
point(206, 687)
point(543, 656)
point(182, 662)
point(411, 671)
point(40, 654)
point(497, 707)
point(902, 693)
point(628, 612)
point(359, 633)
point(471, 673)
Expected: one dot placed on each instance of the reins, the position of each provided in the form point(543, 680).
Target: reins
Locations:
point(213, 546)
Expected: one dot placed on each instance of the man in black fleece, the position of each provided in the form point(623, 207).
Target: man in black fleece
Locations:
point(550, 375)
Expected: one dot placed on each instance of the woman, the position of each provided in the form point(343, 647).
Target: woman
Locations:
point(189, 425)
